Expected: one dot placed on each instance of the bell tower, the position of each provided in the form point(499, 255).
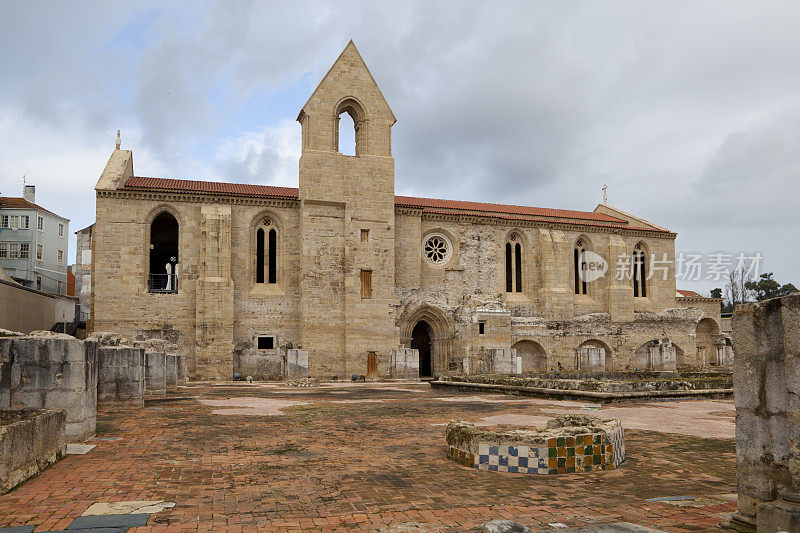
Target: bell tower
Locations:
point(347, 224)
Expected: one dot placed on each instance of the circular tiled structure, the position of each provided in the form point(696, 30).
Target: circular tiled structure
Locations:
point(569, 444)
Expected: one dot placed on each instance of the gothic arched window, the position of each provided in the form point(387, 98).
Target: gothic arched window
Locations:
point(266, 252)
point(578, 265)
point(639, 272)
point(513, 264)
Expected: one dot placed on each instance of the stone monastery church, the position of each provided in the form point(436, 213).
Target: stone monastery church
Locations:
point(341, 277)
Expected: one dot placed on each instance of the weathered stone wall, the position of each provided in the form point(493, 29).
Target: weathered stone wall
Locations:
point(121, 374)
point(54, 371)
point(30, 441)
point(766, 374)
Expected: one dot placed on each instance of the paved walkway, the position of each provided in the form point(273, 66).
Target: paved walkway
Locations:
point(373, 457)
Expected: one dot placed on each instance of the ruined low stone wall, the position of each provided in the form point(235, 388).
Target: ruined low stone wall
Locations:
point(121, 374)
point(30, 441)
point(569, 444)
point(53, 371)
point(631, 383)
point(766, 372)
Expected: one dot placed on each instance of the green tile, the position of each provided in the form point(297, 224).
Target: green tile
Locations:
point(562, 462)
point(588, 450)
point(570, 452)
point(570, 470)
point(561, 441)
point(597, 459)
point(552, 452)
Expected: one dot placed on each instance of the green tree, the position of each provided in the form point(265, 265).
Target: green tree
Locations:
point(766, 287)
point(716, 293)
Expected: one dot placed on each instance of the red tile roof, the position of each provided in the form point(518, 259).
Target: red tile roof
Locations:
point(212, 187)
point(427, 205)
point(21, 203)
point(689, 294)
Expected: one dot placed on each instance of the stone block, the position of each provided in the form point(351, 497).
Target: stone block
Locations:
point(766, 371)
point(171, 372)
point(404, 363)
point(55, 371)
point(780, 515)
point(30, 441)
point(296, 363)
point(121, 374)
point(155, 372)
point(502, 360)
point(262, 366)
point(183, 377)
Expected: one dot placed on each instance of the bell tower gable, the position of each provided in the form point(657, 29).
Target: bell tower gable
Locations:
point(348, 87)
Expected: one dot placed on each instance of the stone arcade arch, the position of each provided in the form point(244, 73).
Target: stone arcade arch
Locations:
point(707, 339)
point(593, 355)
point(534, 358)
point(659, 355)
point(433, 323)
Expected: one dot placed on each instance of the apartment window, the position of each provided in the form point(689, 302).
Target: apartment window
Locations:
point(40, 224)
point(13, 250)
point(4, 221)
point(60, 257)
point(38, 283)
point(60, 286)
point(481, 328)
point(24, 250)
point(24, 222)
point(364, 235)
point(14, 221)
point(366, 283)
point(3, 250)
point(60, 229)
point(266, 342)
point(39, 252)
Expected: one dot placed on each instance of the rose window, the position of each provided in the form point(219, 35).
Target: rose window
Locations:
point(437, 249)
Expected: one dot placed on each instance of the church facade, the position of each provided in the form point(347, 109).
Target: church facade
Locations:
point(343, 269)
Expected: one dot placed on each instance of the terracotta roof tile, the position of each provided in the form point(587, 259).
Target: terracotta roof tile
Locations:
point(688, 294)
point(428, 205)
point(212, 187)
point(408, 201)
point(21, 203)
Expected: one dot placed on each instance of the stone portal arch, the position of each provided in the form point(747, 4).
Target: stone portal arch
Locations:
point(437, 326)
point(707, 338)
point(593, 355)
point(534, 358)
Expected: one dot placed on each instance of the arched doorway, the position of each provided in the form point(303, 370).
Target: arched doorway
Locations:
point(416, 321)
point(421, 337)
point(163, 273)
point(533, 356)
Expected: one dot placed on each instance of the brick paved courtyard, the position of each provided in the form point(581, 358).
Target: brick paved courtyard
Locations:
point(346, 457)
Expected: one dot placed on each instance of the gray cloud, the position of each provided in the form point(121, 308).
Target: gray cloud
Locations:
point(688, 112)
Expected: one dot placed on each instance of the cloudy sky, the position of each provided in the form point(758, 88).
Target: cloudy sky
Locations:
point(688, 111)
